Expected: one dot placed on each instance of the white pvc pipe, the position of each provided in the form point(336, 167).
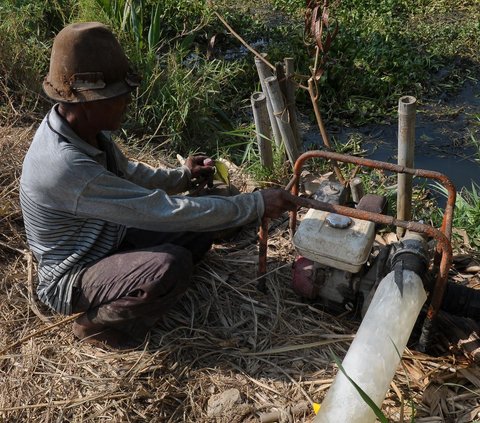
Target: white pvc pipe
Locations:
point(375, 353)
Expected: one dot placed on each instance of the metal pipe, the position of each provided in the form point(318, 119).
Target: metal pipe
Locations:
point(446, 227)
point(406, 149)
point(356, 188)
point(262, 129)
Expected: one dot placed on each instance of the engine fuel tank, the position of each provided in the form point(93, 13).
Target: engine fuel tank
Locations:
point(332, 240)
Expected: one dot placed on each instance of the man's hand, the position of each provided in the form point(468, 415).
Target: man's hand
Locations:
point(201, 166)
point(277, 201)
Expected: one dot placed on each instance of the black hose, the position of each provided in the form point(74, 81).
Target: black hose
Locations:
point(462, 301)
point(427, 336)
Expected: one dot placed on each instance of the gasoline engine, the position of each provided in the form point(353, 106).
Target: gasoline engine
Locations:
point(340, 265)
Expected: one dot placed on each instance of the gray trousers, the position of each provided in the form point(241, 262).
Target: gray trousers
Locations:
point(133, 288)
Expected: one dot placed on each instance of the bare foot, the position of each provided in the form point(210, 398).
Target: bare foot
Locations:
point(101, 335)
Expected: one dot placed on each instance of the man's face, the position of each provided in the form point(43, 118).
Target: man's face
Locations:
point(108, 114)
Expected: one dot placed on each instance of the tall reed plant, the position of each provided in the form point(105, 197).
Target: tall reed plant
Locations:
point(182, 98)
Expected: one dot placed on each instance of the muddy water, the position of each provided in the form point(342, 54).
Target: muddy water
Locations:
point(443, 137)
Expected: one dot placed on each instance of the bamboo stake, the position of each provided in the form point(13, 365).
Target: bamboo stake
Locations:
point(260, 115)
point(290, 96)
point(263, 73)
point(281, 114)
point(282, 81)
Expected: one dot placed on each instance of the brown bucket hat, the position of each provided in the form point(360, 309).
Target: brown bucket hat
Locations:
point(88, 64)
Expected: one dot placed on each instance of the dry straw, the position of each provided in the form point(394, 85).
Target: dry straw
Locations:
point(272, 348)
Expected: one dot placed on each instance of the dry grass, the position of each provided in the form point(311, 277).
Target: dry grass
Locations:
point(273, 348)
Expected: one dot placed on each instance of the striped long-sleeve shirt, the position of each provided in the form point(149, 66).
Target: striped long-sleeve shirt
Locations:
point(77, 202)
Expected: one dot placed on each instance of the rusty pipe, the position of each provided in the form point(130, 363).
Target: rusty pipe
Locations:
point(446, 227)
point(406, 150)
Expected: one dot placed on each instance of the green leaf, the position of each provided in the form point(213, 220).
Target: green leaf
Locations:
point(154, 30)
point(186, 43)
point(222, 172)
point(380, 416)
point(136, 21)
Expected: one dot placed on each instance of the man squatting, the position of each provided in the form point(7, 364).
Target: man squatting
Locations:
point(113, 238)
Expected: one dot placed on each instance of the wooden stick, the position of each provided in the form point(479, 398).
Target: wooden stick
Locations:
point(321, 127)
point(40, 332)
point(3, 244)
point(255, 52)
point(290, 96)
point(30, 287)
point(77, 401)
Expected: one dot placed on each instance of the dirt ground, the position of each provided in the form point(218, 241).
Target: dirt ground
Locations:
point(226, 353)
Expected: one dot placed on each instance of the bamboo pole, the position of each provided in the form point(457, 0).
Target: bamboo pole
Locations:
point(262, 128)
point(264, 72)
point(406, 150)
point(290, 96)
point(281, 114)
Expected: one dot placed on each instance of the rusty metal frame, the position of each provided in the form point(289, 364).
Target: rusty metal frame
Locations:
point(443, 254)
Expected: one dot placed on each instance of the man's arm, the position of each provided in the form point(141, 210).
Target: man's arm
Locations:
point(172, 181)
point(117, 200)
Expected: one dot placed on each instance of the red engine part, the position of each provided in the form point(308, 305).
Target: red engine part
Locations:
point(304, 278)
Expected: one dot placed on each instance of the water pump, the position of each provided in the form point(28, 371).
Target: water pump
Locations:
point(335, 251)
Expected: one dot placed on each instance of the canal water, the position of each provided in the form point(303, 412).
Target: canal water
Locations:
point(444, 137)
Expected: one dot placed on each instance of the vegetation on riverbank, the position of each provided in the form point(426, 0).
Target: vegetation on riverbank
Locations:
point(197, 77)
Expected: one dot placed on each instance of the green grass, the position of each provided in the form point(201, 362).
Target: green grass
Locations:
point(475, 142)
point(24, 55)
point(384, 49)
point(389, 48)
point(466, 214)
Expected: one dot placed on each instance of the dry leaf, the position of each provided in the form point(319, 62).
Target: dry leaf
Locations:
point(464, 235)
